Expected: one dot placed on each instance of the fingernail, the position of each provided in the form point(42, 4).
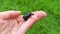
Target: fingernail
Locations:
point(44, 13)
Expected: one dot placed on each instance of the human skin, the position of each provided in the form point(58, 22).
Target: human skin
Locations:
point(12, 22)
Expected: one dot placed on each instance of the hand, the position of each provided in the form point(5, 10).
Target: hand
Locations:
point(12, 22)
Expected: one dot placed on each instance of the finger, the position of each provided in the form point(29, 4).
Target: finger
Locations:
point(9, 14)
point(37, 15)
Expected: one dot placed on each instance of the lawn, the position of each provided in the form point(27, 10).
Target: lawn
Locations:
point(48, 25)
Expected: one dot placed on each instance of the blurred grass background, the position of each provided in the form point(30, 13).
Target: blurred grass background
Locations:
point(47, 25)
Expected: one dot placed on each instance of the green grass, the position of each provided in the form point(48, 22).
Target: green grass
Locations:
point(47, 25)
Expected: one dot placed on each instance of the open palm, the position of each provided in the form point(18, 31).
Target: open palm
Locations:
point(12, 22)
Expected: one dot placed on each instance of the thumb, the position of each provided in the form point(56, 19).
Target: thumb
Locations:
point(9, 14)
point(37, 15)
